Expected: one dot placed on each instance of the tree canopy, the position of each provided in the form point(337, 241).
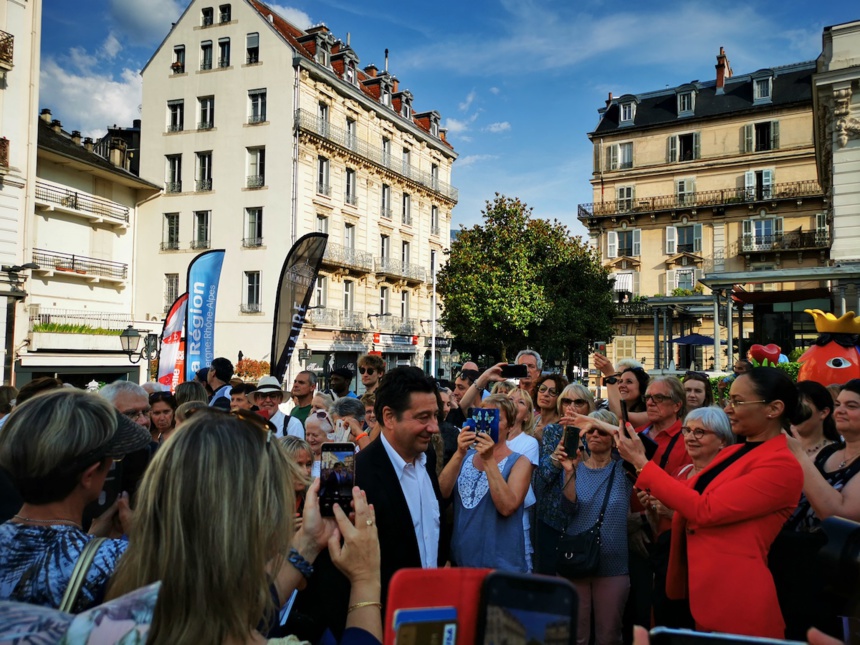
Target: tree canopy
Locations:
point(516, 281)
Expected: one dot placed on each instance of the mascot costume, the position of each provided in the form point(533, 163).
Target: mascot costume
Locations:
point(835, 356)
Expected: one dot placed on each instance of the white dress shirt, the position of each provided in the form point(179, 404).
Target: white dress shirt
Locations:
point(294, 428)
point(423, 505)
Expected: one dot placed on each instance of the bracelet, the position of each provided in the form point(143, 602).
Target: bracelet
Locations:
point(303, 566)
point(639, 470)
point(359, 605)
point(360, 437)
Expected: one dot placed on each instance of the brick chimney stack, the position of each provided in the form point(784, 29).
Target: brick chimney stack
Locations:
point(76, 137)
point(371, 70)
point(609, 100)
point(724, 70)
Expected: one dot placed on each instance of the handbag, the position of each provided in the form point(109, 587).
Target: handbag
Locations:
point(578, 556)
point(79, 574)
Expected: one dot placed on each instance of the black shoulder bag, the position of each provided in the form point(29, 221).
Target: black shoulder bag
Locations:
point(578, 556)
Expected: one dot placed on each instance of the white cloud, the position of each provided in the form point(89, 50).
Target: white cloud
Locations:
point(455, 126)
point(294, 16)
point(147, 22)
point(495, 128)
point(89, 101)
point(111, 46)
point(465, 105)
point(470, 160)
point(495, 90)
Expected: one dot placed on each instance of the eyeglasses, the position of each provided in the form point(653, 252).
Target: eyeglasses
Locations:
point(734, 403)
point(366, 370)
point(268, 395)
point(657, 398)
point(577, 402)
point(698, 433)
point(598, 431)
point(546, 389)
point(136, 414)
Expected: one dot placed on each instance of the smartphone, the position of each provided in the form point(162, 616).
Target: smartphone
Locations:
point(666, 636)
point(571, 441)
point(337, 477)
point(600, 347)
point(539, 608)
point(515, 371)
point(486, 420)
point(625, 417)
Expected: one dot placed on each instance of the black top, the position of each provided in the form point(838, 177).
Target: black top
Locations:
point(711, 474)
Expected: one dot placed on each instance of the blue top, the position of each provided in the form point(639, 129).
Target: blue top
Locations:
point(547, 481)
point(36, 563)
point(591, 484)
point(482, 536)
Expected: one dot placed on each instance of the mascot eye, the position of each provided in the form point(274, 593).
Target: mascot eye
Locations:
point(838, 363)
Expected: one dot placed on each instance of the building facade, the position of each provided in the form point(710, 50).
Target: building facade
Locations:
point(706, 178)
point(261, 132)
point(20, 30)
point(80, 243)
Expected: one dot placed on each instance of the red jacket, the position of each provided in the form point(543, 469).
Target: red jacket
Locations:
point(721, 538)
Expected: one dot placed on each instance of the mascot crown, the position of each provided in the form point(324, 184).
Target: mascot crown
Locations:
point(830, 324)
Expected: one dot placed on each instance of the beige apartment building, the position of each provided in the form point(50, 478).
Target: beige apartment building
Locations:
point(261, 132)
point(706, 178)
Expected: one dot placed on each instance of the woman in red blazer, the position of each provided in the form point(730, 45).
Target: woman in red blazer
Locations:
point(728, 515)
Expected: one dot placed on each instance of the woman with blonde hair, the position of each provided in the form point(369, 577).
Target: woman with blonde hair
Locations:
point(224, 547)
point(520, 440)
point(190, 391)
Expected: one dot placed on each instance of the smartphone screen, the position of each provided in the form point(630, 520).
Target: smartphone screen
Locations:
point(486, 420)
point(337, 476)
point(514, 371)
point(571, 441)
point(527, 609)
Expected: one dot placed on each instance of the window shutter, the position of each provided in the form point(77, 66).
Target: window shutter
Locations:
point(613, 157)
point(777, 227)
point(767, 184)
point(696, 145)
point(774, 135)
point(253, 40)
point(637, 242)
point(748, 234)
point(597, 158)
point(697, 238)
point(671, 281)
point(698, 274)
point(635, 283)
point(673, 149)
point(671, 240)
point(749, 184)
point(748, 138)
point(612, 244)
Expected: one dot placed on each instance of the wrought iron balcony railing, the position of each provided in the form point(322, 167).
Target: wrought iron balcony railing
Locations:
point(702, 199)
point(205, 125)
point(351, 199)
point(397, 324)
point(252, 242)
point(791, 241)
point(386, 213)
point(170, 245)
point(200, 244)
point(206, 65)
point(223, 62)
point(435, 230)
point(250, 307)
point(633, 309)
point(336, 318)
point(52, 260)
point(406, 219)
point(72, 200)
point(397, 268)
point(203, 185)
point(323, 189)
point(4, 152)
point(256, 181)
point(256, 118)
point(84, 317)
point(175, 127)
point(173, 187)
point(348, 257)
point(7, 46)
point(310, 122)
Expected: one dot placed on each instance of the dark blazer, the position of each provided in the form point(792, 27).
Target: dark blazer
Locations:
point(325, 601)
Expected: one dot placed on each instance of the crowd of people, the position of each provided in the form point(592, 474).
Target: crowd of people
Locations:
point(200, 508)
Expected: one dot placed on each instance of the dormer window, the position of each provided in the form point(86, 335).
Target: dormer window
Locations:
point(762, 90)
point(628, 112)
point(322, 54)
point(385, 95)
point(434, 128)
point(349, 73)
point(406, 110)
point(686, 103)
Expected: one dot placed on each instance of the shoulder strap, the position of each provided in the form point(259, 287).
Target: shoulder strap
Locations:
point(664, 459)
point(79, 574)
point(606, 497)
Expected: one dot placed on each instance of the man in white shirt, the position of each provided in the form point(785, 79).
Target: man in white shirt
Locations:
point(268, 397)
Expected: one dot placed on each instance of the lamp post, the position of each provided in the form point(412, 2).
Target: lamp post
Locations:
point(130, 339)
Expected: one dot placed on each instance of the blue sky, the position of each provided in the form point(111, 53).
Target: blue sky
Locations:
point(518, 82)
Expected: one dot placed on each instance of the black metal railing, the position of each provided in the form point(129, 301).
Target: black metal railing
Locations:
point(250, 308)
point(203, 185)
point(310, 122)
point(200, 244)
point(252, 59)
point(4, 152)
point(205, 125)
point(351, 199)
point(170, 245)
point(702, 199)
point(633, 309)
point(256, 118)
point(173, 187)
point(256, 181)
point(80, 201)
point(223, 62)
point(348, 257)
point(791, 241)
point(177, 67)
point(206, 65)
point(323, 189)
point(397, 268)
point(7, 46)
point(79, 264)
point(251, 242)
point(175, 127)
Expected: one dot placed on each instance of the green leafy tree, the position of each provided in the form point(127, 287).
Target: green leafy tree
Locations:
point(516, 281)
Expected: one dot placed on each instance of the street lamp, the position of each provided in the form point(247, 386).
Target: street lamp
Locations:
point(369, 316)
point(130, 339)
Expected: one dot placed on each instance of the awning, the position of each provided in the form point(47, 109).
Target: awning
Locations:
point(623, 282)
point(695, 339)
point(770, 297)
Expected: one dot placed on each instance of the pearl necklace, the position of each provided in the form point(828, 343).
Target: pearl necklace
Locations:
point(58, 520)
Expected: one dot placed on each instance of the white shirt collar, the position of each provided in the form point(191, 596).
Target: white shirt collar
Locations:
point(397, 461)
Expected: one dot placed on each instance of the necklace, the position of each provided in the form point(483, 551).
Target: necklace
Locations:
point(58, 520)
point(847, 460)
point(811, 451)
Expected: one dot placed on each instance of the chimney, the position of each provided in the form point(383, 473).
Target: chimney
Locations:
point(56, 125)
point(609, 100)
point(724, 70)
point(88, 144)
point(117, 153)
point(76, 137)
point(396, 86)
point(386, 59)
point(45, 115)
point(135, 125)
point(371, 70)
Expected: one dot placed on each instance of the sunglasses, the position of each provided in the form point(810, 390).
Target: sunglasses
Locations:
point(657, 398)
point(546, 389)
point(598, 431)
point(366, 370)
point(578, 402)
point(268, 395)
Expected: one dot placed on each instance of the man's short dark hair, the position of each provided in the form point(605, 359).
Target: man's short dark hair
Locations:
point(396, 388)
point(469, 375)
point(343, 372)
point(244, 388)
point(223, 369)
